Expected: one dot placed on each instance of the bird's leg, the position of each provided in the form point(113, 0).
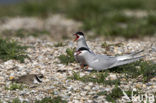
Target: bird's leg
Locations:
point(82, 66)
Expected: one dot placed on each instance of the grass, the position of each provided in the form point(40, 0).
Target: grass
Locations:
point(12, 50)
point(57, 99)
point(117, 93)
point(51, 100)
point(104, 17)
point(141, 68)
point(16, 100)
point(107, 17)
point(99, 78)
point(114, 95)
point(102, 93)
point(24, 33)
point(135, 93)
point(15, 86)
point(130, 27)
point(68, 57)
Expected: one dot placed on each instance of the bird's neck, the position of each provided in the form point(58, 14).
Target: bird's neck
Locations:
point(83, 43)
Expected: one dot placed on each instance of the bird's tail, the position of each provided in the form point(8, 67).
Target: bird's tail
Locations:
point(127, 61)
point(130, 56)
point(136, 53)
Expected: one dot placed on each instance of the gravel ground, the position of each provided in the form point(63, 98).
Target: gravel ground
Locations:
point(44, 60)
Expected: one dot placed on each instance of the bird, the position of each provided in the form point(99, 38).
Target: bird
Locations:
point(29, 79)
point(80, 38)
point(102, 61)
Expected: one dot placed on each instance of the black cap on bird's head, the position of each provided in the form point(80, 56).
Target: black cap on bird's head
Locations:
point(82, 49)
point(78, 34)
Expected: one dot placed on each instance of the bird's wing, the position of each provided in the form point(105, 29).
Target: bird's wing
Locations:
point(102, 62)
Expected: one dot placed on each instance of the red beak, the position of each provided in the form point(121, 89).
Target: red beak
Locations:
point(77, 37)
point(78, 52)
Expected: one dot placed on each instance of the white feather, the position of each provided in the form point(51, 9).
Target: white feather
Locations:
point(35, 81)
point(123, 58)
point(95, 61)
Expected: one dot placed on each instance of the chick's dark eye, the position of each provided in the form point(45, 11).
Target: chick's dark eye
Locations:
point(41, 76)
